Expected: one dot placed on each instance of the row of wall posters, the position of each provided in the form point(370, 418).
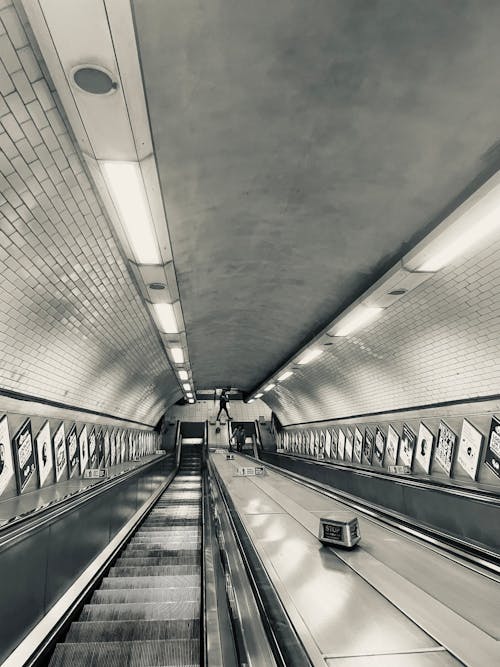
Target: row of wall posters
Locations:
point(22, 455)
point(385, 447)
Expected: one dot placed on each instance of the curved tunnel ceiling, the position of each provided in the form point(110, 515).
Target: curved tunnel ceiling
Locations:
point(302, 149)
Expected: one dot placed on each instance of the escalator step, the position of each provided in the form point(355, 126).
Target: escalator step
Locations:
point(145, 581)
point(155, 550)
point(153, 570)
point(141, 611)
point(120, 596)
point(145, 561)
point(109, 631)
point(174, 653)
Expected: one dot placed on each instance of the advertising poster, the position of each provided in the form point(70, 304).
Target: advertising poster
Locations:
point(44, 453)
point(408, 442)
point(59, 443)
point(6, 463)
point(73, 451)
point(334, 448)
point(379, 448)
point(368, 447)
point(348, 445)
point(131, 452)
point(112, 448)
point(424, 447)
point(311, 443)
point(492, 458)
point(392, 447)
point(358, 445)
point(445, 447)
point(92, 449)
point(83, 443)
point(469, 448)
point(106, 447)
point(25, 455)
point(341, 448)
point(123, 456)
point(328, 443)
point(100, 448)
point(322, 443)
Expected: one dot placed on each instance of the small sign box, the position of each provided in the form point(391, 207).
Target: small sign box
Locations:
point(159, 451)
point(95, 473)
point(341, 529)
point(399, 470)
point(229, 457)
point(250, 471)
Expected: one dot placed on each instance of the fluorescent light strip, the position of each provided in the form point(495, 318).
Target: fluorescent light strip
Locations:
point(285, 376)
point(186, 386)
point(166, 316)
point(310, 355)
point(124, 181)
point(251, 400)
point(189, 394)
point(183, 375)
point(258, 395)
point(177, 355)
point(269, 387)
point(359, 318)
point(191, 400)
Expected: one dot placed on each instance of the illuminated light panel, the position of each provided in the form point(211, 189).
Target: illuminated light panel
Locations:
point(186, 386)
point(177, 355)
point(285, 376)
point(183, 375)
point(359, 318)
point(310, 355)
point(166, 317)
point(258, 395)
point(462, 242)
point(251, 400)
point(189, 394)
point(191, 400)
point(269, 387)
point(126, 187)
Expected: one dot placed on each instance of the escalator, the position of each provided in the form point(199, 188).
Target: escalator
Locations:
point(147, 610)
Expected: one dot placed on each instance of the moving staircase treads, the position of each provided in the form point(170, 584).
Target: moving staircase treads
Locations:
point(109, 631)
point(160, 549)
point(167, 653)
point(129, 611)
point(141, 561)
point(162, 581)
point(153, 570)
point(124, 595)
point(163, 552)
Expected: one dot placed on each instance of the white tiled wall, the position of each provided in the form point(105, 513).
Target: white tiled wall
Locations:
point(72, 326)
point(438, 343)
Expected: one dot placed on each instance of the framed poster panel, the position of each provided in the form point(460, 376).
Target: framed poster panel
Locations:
point(73, 451)
point(6, 461)
point(469, 448)
point(123, 446)
point(328, 443)
point(59, 443)
point(92, 449)
point(334, 448)
point(83, 443)
point(423, 451)
point(311, 443)
point(368, 447)
point(44, 453)
point(349, 438)
point(106, 447)
point(392, 447)
point(492, 458)
point(341, 448)
point(112, 446)
point(130, 446)
point(322, 443)
point(358, 445)
point(24, 455)
point(379, 446)
point(100, 448)
point(408, 442)
point(445, 447)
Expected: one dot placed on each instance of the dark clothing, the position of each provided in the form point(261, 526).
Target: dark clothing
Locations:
point(223, 405)
point(240, 439)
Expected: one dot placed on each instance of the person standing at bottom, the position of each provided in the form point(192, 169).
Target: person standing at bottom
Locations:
point(240, 438)
point(223, 401)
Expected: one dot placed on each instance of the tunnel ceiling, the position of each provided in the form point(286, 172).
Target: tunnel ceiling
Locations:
point(303, 148)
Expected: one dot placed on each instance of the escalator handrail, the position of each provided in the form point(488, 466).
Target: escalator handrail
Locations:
point(32, 521)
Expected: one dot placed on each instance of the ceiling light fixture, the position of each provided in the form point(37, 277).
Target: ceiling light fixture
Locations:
point(124, 180)
point(269, 386)
point(258, 395)
point(189, 394)
point(285, 376)
point(183, 375)
point(191, 400)
point(357, 319)
point(166, 317)
point(310, 355)
point(186, 386)
point(177, 355)
point(251, 400)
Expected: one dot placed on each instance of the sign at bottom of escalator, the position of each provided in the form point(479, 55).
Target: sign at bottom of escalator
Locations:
point(249, 471)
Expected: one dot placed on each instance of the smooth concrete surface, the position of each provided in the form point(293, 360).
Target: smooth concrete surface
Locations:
point(357, 605)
